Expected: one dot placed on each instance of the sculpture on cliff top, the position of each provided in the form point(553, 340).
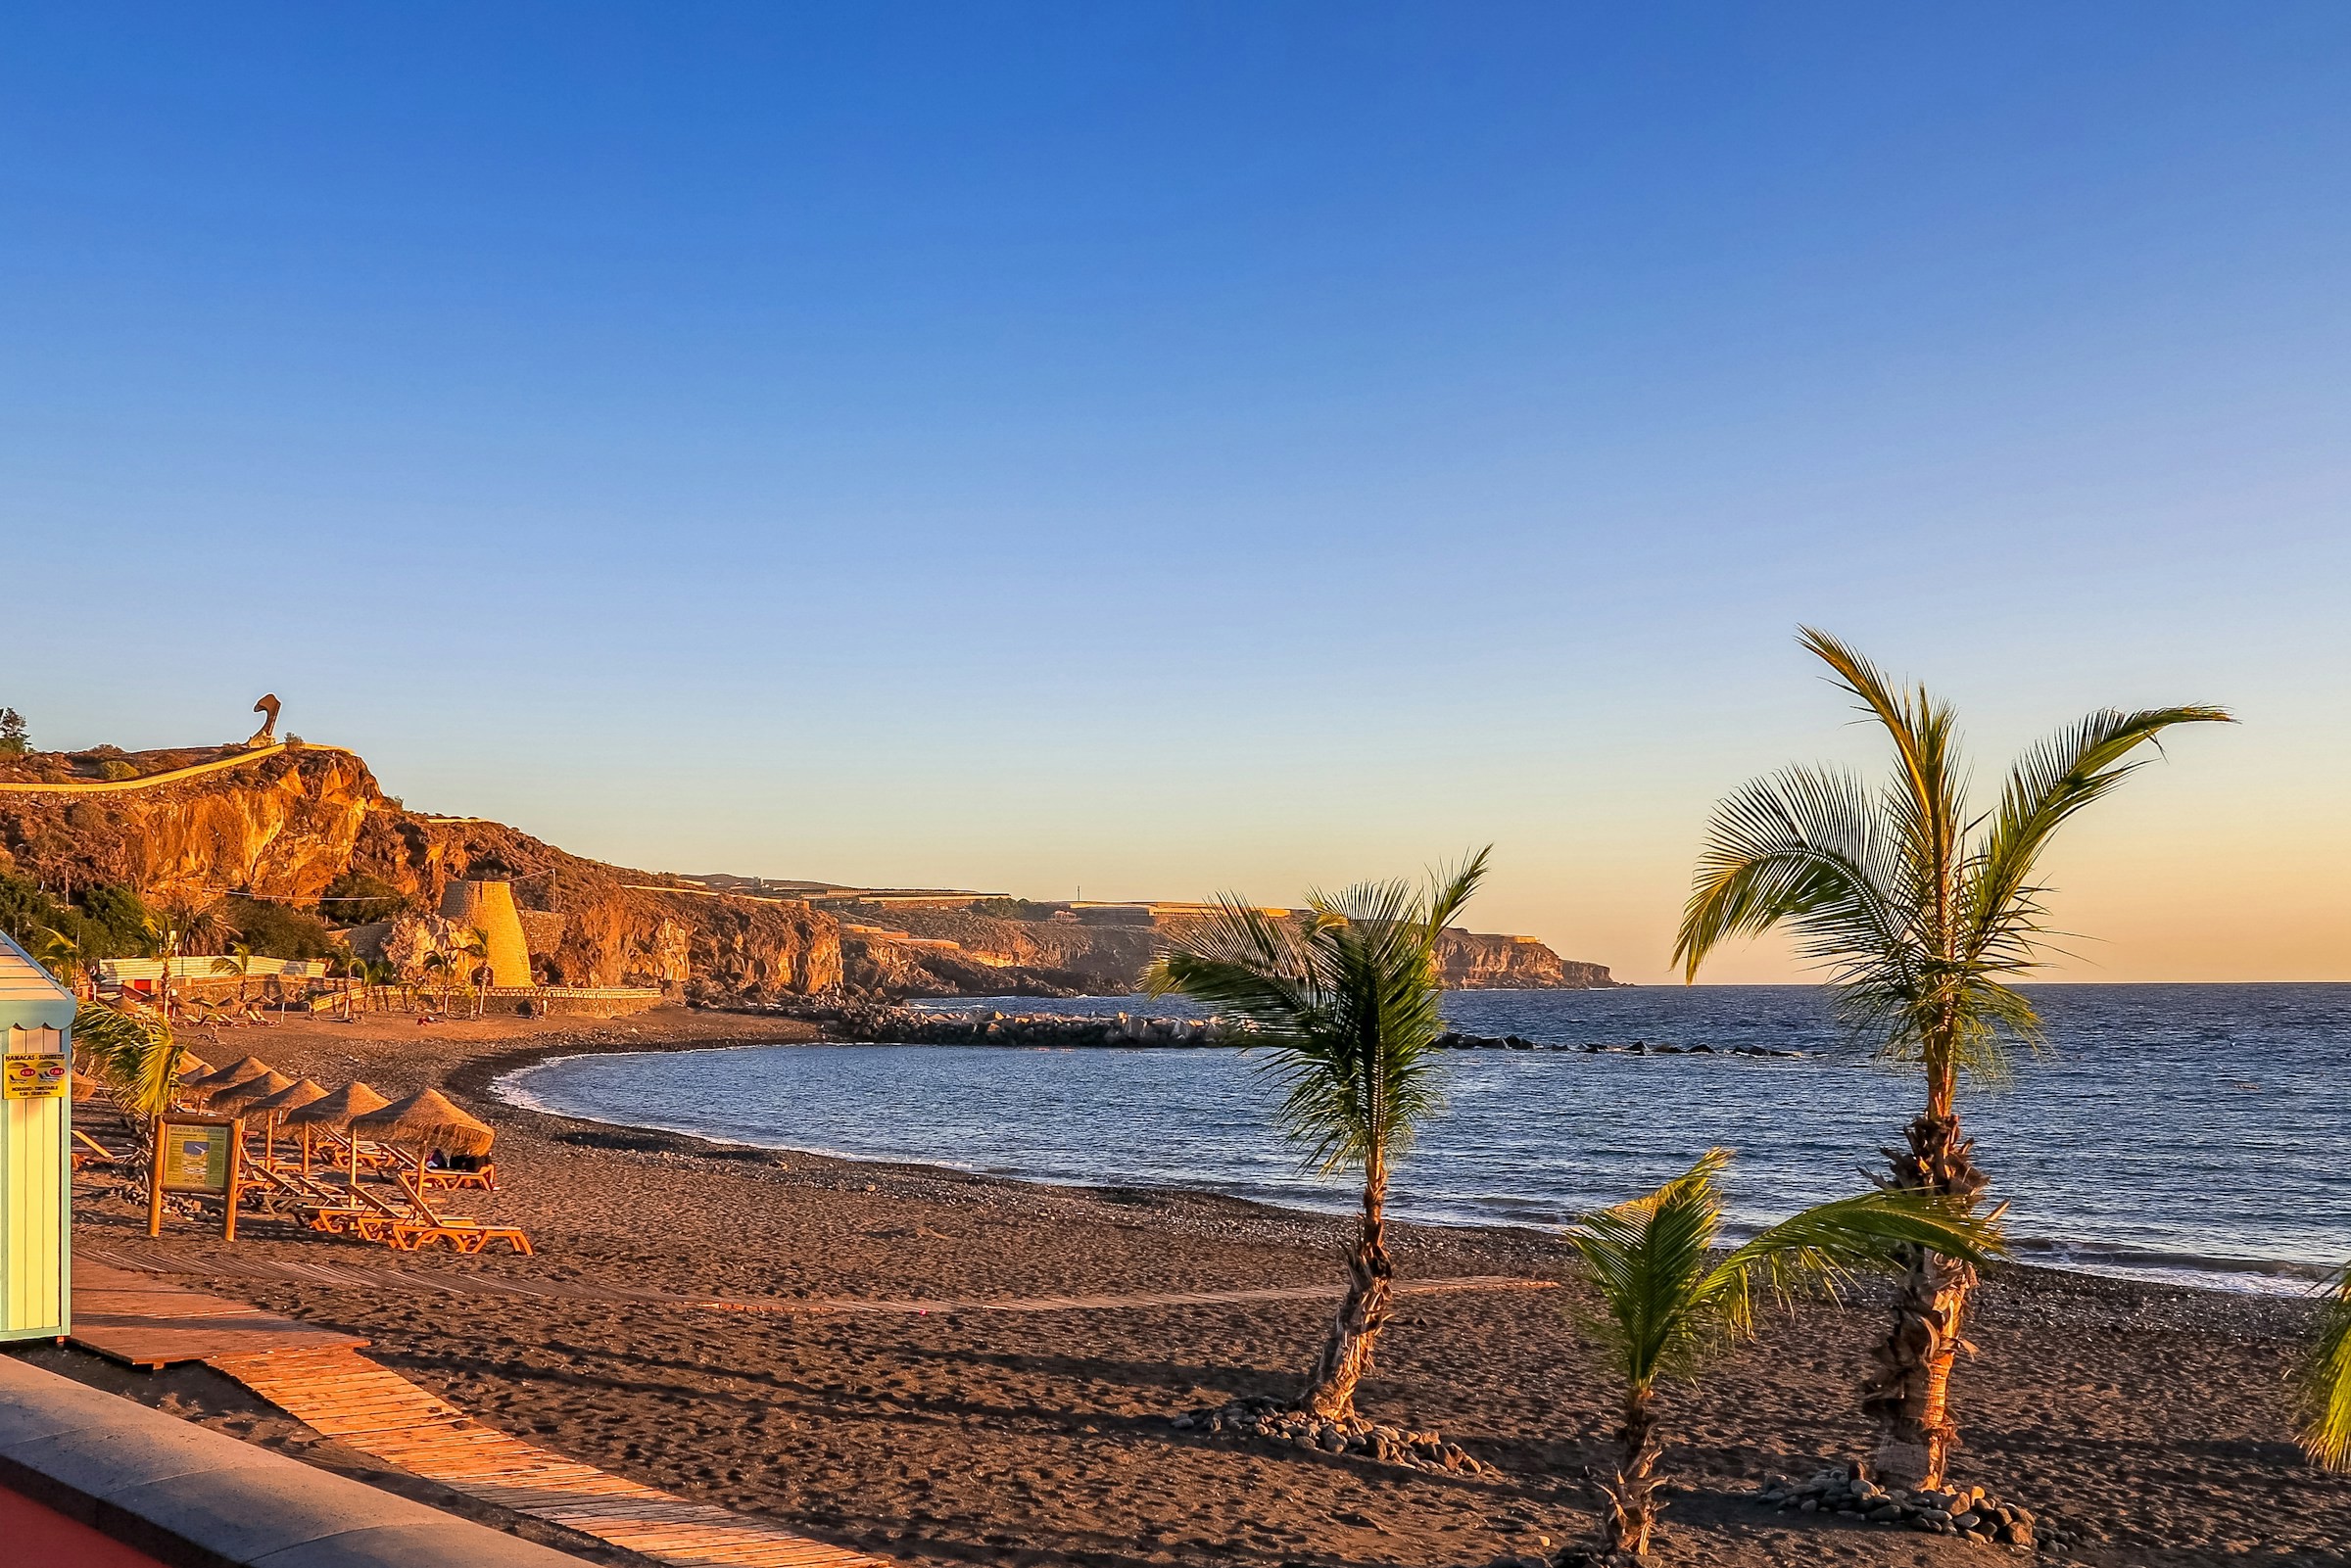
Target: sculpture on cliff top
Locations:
point(267, 734)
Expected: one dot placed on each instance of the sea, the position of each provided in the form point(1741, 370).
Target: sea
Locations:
point(2195, 1134)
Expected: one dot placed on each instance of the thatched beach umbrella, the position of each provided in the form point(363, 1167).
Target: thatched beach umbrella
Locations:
point(293, 1097)
point(428, 1120)
point(338, 1110)
point(85, 1087)
point(202, 1088)
point(191, 1068)
point(232, 1101)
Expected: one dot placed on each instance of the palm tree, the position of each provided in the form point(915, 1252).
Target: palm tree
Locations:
point(444, 965)
point(473, 959)
point(63, 957)
point(2326, 1382)
point(1668, 1300)
point(238, 961)
point(1922, 913)
point(1347, 1001)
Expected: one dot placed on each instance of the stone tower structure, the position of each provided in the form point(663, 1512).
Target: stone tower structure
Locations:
point(488, 908)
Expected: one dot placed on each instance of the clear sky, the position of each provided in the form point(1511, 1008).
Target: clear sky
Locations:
point(1167, 447)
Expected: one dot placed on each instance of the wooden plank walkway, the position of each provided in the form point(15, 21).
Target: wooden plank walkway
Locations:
point(317, 1376)
point(351, 1277)
point(343, 1396)
point(138, 1319)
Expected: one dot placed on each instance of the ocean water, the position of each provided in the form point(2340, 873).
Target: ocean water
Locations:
point(2197, 1133)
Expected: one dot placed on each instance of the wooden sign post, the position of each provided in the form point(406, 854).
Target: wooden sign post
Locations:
point(197, 1153)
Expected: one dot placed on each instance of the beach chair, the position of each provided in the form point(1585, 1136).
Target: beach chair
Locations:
point(417, 1223)
point(476, 1173)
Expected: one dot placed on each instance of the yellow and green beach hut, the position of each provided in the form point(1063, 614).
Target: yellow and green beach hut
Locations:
point(36, 1108)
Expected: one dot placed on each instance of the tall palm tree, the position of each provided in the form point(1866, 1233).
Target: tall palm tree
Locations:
point(2326, 1382)
point(1668, 1300)
point(1923, 912)
point(1346, 1000)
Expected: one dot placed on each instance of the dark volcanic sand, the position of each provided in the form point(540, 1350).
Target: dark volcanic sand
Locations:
point(2155, 1420)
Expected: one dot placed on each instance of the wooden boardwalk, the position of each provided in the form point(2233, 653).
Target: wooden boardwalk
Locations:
point(343, 1396)
point(359, 1277)
point(139, 1319)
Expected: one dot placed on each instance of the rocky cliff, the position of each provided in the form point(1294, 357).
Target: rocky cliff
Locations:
point(288, 826)
point(291, 823)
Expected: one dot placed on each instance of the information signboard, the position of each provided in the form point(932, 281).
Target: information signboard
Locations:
point(35, 1077)
point(200, 1156)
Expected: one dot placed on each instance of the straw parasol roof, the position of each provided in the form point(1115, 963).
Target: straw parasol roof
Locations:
point(427, 1117)
point(191, 1068)
point(85, 1087)
point(293, 1097)
point(235, 1099)
point(337, 1108)
point(252, 1066)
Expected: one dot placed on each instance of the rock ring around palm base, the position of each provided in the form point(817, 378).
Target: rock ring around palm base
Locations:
point(1272, 1422)
point(1968, 1513)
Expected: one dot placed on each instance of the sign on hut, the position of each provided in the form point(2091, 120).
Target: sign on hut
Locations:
point(37, 1132)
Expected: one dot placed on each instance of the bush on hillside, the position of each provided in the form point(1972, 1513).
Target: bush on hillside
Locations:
point(109, 924)
point(357, 898)
point(274, 930)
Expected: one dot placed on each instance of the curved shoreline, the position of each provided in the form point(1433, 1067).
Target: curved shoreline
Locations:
point(2229, 1276)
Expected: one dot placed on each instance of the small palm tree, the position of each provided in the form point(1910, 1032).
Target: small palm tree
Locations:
point(1668, 1300)
point(444, 967)
point(237, 961)
point(474, 960)
point(63, 957)
point(1923, 912)
point(2326, 1382)
point(1346, 1000)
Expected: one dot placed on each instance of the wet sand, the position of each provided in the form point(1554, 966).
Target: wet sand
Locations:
point(2151, 1420)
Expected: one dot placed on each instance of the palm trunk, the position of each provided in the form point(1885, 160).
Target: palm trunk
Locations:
point(1370, 1289)
point(1631, 1495)
point(1909, 1392)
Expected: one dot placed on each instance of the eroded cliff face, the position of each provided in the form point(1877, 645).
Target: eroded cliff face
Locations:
point(283, 827)
point(288, 826)
point(1474, 961)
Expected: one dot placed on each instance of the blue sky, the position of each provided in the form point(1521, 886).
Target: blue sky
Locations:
point(1161, 449)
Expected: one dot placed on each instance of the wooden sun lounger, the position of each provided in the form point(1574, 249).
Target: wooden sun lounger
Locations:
point(412, 1224)
point(482, 1177)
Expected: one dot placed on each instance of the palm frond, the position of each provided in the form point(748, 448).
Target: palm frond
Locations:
point(1928, 804)
point(1804, 848)
point(134, 1054)
point(2048, 786)
point(2326, 1382)
point(1825, 1244)
point(1646, 1258)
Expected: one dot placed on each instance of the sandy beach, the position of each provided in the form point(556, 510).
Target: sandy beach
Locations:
point(2152, 1422)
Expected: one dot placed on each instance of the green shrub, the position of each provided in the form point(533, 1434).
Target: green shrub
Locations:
point(275, 931)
